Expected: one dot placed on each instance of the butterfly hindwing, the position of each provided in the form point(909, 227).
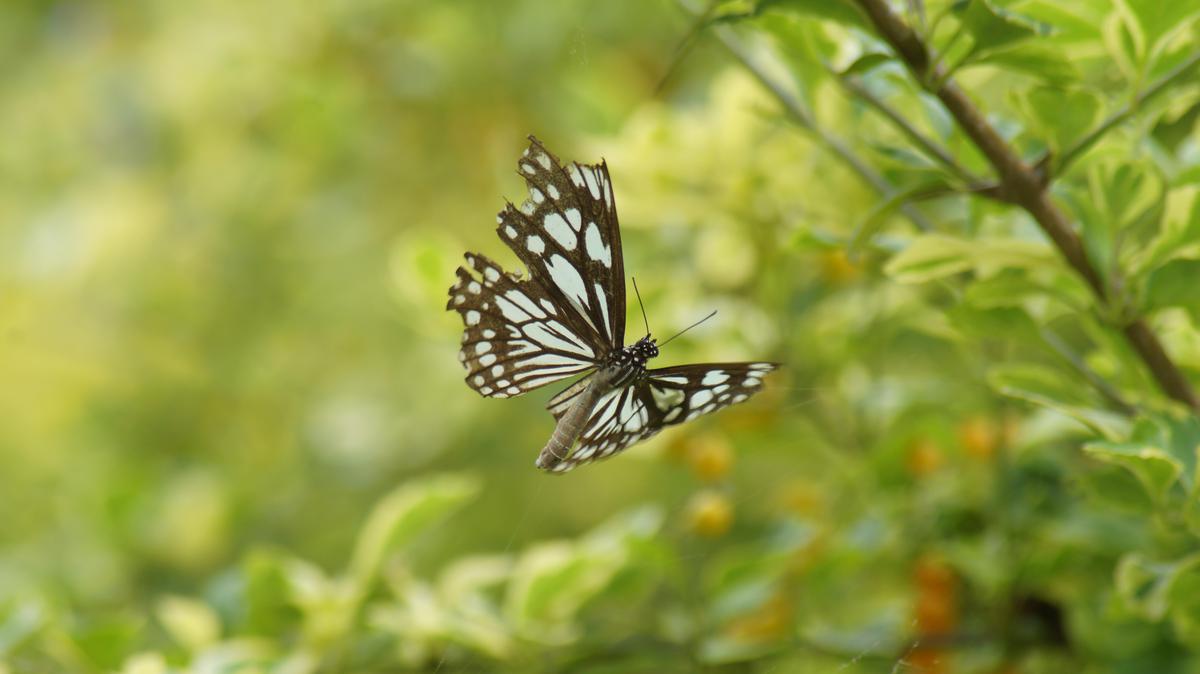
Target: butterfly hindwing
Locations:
point(664, 397)
point(515, 338)
point(567, 235)
point(684, 392)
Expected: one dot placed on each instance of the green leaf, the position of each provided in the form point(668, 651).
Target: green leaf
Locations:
point(1009, 288)
point(1154, 468)
point(1125, 48)
point(994, 323)
point(551, 582)
point(934, 256)
point(838, 11)
point(1179, 236)
point(1060, 116)
point(1116, 487)
point(1178, 433)
point(1175, 284)
point(1150, 588)
point(190, 623)
point(265, 606)
point(866, 63)
point(1074, 23)
point(930, 257)
point(404, 513)
point(1049, 388)
point(882, 211)
point(1184, 599)
point(106, 641)
point(1157, 19)
point(1050, 293)
point(732, 10)
point(993, 28)
point(1044, 62)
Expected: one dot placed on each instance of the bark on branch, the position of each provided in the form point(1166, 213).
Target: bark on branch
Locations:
point(1023, 185)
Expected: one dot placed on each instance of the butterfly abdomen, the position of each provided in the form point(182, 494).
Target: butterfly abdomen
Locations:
point(571, 424)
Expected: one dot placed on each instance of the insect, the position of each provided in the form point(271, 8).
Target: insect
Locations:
point(568, 318)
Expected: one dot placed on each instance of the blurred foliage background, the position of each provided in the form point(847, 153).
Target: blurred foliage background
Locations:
point(233, 431)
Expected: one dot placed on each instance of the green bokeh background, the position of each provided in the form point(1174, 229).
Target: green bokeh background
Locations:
point(226, 234)
point(231, 229)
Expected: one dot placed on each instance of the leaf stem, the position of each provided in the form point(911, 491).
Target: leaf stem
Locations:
point(855, 86)
point(803, 118)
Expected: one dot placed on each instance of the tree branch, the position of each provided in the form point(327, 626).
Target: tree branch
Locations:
point(1023, 184)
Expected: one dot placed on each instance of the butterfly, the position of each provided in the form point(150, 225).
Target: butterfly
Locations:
point(568, 318)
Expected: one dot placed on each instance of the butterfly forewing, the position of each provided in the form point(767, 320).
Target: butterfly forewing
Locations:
point(515, 338)
point(567, 235)
point(664, 397)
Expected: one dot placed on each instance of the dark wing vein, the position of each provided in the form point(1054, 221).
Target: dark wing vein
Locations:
point(515, 338)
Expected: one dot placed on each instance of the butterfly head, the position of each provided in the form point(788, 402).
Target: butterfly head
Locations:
point(645, 348)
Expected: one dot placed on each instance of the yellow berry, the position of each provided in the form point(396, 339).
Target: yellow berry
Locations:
point(979, 437)
point(802, 498)
point(710, 514)
point(710, 457)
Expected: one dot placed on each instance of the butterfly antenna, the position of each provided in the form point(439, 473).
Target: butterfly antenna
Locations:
point(643, 307)
point(714, 313)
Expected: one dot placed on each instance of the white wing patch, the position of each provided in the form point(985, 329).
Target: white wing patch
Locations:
point(567, 278)
point(595, 246)
point(558, 229)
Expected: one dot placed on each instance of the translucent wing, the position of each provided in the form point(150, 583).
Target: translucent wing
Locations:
point(515, 337)
point(567, 235)
point(665, 397)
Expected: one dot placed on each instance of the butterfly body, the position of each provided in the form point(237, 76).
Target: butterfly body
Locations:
point(567, 318)
point(621, 368)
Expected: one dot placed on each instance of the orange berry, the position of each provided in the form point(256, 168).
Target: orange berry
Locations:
point(979, 436)
point(936, 614)
point(926, 661)
point(932, 574)
point(710, 514)
point(924, 458)
point(936, 611)
point(710, 457)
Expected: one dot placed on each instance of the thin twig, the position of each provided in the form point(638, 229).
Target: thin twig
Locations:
point(1070, 154)
point(1110, 393)
point(1026, 187)
point(801, 117)
point(933, 150)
